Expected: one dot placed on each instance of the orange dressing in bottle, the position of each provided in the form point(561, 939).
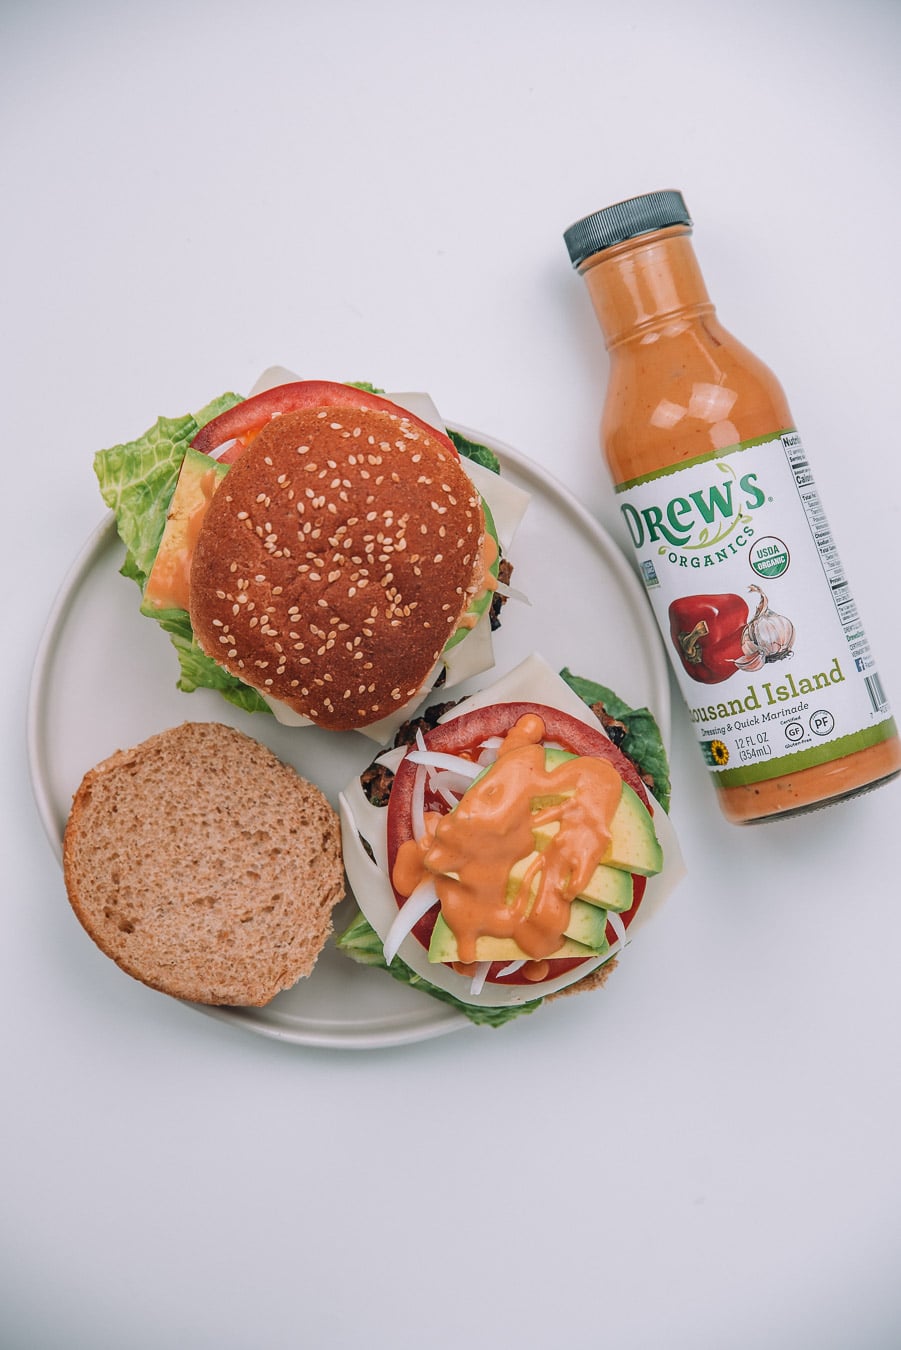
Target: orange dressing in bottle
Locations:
point(730, 537)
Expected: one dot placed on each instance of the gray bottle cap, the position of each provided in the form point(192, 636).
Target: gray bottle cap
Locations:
point(625, 220)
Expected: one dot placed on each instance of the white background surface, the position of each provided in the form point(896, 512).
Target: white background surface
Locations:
point(705, 1154)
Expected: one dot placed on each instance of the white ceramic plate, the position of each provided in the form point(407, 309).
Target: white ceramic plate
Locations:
point(104, 679)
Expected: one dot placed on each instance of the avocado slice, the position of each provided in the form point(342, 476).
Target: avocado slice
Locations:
point(609, 887)
point(585, 936)
point(634, 846)
point(167, 584)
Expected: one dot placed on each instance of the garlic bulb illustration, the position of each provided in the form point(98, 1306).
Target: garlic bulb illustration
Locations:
point(766, 637)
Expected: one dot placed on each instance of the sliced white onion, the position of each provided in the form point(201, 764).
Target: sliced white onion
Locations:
point(449, 786)
point(420, 902)
point(417, 803)
point(435, 759)
point(511, 593)
point(385, 759)
point(616, 923)
point(478, 979)
point(511, 968)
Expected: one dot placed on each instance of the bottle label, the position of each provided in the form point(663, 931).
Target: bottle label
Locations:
point(755, 610)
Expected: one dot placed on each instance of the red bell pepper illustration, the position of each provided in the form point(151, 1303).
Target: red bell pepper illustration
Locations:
point(707, 633)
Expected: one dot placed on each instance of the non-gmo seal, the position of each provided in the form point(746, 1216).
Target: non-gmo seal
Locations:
point(769, 557)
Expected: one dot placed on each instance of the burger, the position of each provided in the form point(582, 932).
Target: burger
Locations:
point(508, 847)
point(317, 550)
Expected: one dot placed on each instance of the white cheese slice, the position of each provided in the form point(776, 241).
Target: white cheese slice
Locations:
point(506, 502)
point(533, 681)
point(472, 656)
point(271, 378)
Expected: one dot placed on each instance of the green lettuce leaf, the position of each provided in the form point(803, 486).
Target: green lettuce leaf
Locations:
point(199, 671)
point(137, 480)
point(361, 942)
point(642, 741)
point(479, 454)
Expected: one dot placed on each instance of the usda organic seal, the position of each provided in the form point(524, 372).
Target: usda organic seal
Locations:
point(769, 557)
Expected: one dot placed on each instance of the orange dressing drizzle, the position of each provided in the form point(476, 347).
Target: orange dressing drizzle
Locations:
point(488, 556)
point(470, 852)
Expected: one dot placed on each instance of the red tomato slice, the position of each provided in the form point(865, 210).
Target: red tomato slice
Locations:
point(464, 736)
point(243, 422)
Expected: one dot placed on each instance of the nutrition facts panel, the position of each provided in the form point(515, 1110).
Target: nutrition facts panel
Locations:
point(845, 605)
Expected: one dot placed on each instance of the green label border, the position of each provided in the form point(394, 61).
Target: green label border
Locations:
point(706, 458)
point(761, 772)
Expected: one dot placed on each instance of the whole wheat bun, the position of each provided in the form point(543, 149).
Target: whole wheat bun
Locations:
point(203, 865)
point(335, 561)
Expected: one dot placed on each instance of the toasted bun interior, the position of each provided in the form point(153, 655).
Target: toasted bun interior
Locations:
point(335, 562)
point(204, 866)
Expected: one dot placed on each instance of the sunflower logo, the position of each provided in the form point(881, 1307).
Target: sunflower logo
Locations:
point(716, 752)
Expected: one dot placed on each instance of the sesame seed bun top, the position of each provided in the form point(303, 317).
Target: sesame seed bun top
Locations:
point(335, 562)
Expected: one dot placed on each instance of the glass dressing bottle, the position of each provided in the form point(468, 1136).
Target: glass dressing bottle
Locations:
point(730, 537)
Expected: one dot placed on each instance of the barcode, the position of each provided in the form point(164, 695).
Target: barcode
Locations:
point(876, 692)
